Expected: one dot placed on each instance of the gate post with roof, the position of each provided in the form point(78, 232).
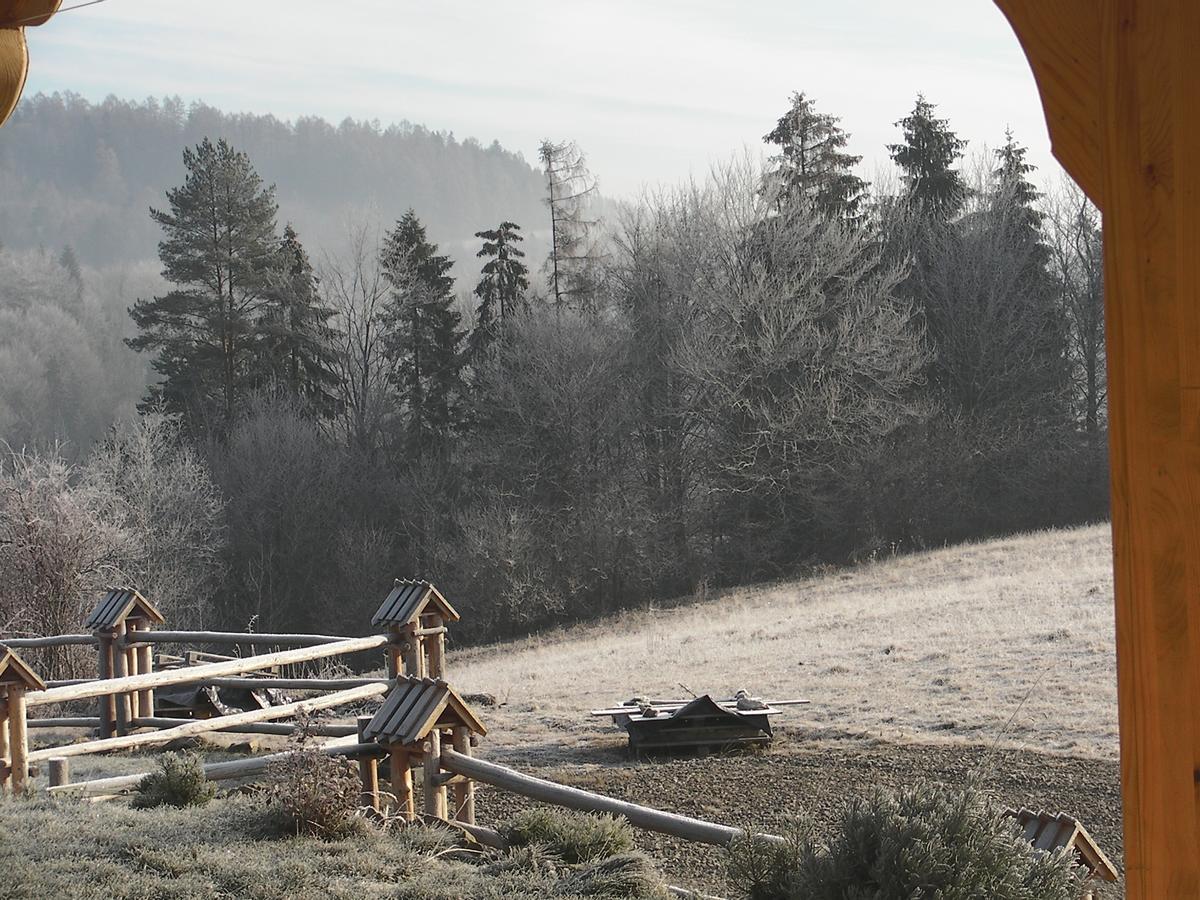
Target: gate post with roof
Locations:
point(15, 679)
point(414, 615)
point(121, 612)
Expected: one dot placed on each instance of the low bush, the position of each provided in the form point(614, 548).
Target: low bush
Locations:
point(178, 782)
point(572, 837)
point(927, 841)
point(313, 793)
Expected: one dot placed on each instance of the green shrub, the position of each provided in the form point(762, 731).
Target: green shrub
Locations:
point(625, 875)
point(927, 841)
point(178, 782)
point(572, 837)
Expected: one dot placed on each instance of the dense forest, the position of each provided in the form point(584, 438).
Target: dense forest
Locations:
point(81, 174)
point(778, 367)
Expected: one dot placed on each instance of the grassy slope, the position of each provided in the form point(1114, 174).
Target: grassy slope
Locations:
point(945, 644)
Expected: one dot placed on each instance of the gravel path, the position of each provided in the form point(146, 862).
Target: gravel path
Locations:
point(817, 777)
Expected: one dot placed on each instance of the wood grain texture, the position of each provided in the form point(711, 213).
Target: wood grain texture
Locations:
point(14, 65)
point(1147, 133)
point(14, 13)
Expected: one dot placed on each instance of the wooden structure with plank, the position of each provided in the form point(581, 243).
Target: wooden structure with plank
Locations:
point(121, 613)
point(701, 724)
point(16, 680)
point(418, 720)
point(1053, 831)
point(415, 615)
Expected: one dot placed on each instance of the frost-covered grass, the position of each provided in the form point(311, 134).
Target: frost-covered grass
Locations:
point(947, 644)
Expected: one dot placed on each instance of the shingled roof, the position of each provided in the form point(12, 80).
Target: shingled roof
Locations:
point(118, 605)
point(409, 600)
point(14, 670)
point(414, 707)
point(1048, 831)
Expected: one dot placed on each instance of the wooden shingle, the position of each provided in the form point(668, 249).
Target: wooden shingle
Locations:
point(409, 600)
point(416, 706)
point(120, 604)
point(1050, 832)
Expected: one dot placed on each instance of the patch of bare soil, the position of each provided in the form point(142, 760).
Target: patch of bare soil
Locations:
point(817, 778)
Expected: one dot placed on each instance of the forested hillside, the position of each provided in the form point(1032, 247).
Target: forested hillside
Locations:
point(84, 174)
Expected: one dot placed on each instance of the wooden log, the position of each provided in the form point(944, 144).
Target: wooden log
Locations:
point(368, 768)
point(145, 665)
point(121, 699)
point(64, 722)
point(238, 768)
point(414, 658)
point(435, 794)
point(464, 793)
point(202, 726)
point(4, 757)
point(18, 738)
point(434, 640)
point(573, 798)
point(131, 668)
point(402, 781)
point(274, 728)
point(300, 684)
point(61, 640)
point(60, 771)
point(234, 637)
point(108, 703)
point(199, 673)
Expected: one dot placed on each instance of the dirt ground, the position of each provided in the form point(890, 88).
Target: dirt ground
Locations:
point(806, 775)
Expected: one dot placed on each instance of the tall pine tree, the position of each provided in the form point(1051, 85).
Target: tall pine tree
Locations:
point(297, 338)
point(219, 249)
point(812, 166)
point(934, 188)
point(503, 282)
point(423, 332)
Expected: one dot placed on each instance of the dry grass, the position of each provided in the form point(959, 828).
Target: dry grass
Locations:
point(942, 645)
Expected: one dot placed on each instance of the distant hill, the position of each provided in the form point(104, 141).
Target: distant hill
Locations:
point(84, 174)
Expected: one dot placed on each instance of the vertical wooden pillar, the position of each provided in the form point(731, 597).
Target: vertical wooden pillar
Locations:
point(131, 668)
point(107, 703)
point(145, 665)
point(368, 769)
point(464, 791)
point(119, 658)
point(395, 652)
point(435, 792)
point(60, 770)
point(402, 783)
point(5, 759)
point(435, 647)
point(414, 658)
point(18, 738)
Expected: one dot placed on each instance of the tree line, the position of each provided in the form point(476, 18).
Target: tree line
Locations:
point(776, 368)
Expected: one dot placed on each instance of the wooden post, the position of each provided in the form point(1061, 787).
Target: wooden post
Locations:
point(60, 771)
point(368, 768)
point(414, 659)
point(122, 700)
point(145, 665)
point(395, 652)
point(5, 761)
point(435, 647)
point(107, 702)
point(435, 793)
point(402, 783)
point(18, 737)
point(464, 791)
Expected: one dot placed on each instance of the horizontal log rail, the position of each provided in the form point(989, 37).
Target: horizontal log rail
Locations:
point(203, 726)
point(230, 637)
point(64, 722)
point(238, 768)
point(58, 640)
point(573, 798)
point(293, 684)
point(166, 677)
point(277, 728)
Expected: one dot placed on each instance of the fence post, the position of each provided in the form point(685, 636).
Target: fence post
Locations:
point(402, 783)
point(119, 659)
point(435, 793)
point(464, 791)
point(18, 738)
point(435, 645)
point(145, 665)
point(60, 770)
point(368, 768)
point(107, 702)
point(5, 760)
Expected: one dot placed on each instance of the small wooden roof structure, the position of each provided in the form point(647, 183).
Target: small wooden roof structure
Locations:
point(14, 670)
point(416, 706)
point(120, 604)
point(1050, 832)
point(409, 600)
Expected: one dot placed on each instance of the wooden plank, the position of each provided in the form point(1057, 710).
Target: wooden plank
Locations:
point(202, 726)
point(233, 637)
point(195, 673)
point(573, 798)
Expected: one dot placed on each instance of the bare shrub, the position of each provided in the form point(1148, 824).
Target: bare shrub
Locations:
point(313, 793)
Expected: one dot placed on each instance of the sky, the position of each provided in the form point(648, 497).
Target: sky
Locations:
point(654, 91)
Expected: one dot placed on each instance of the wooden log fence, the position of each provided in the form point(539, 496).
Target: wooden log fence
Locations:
point(166, 677)
point(202, 726)
point(232, 637)
point(60, 640)
point(275, 728)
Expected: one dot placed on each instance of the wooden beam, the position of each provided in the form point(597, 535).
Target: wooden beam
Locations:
point(573, 798)
point(232, 637)
point(203, 726)
point(199, 673)
point(61, 640)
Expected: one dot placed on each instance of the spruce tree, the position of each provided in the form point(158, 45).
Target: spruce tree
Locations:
point(423, 331)
point(297, 351)
point(219, 249)
point(571, 268)
point(935, 189)
point(502, 285)
point(812, 166)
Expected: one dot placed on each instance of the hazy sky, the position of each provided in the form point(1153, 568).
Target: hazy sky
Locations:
point(652, 89)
